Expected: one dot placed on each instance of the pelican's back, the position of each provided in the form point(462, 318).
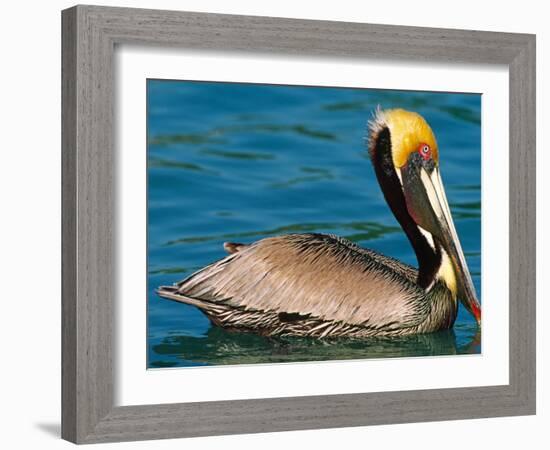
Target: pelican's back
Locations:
point(307, 284)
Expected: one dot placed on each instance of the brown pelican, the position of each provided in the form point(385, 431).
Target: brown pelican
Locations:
point(322, 285)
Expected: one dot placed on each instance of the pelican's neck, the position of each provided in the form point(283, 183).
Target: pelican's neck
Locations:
point(428, 252)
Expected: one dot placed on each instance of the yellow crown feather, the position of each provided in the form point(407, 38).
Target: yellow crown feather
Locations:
point(408, 130)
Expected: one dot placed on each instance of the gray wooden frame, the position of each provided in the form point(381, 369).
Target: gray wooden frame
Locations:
point(90, 34)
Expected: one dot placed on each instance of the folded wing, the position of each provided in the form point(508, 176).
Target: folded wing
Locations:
point(311, 275)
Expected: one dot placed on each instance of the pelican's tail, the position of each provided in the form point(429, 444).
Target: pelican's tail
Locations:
point(210, 308)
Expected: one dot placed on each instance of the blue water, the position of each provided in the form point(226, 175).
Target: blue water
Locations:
point(240, 162)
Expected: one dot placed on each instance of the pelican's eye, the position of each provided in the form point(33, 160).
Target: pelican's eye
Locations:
point(425, 151)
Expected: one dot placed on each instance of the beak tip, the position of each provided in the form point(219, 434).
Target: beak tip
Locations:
point(477, 314)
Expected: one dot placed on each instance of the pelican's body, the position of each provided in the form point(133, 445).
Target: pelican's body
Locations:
point(322, 285)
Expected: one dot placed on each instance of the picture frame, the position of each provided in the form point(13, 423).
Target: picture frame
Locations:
point(89, 37)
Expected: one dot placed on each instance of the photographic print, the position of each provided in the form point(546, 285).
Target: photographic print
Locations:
point(302, 223)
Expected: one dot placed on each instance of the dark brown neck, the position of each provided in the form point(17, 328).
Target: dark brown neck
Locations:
point(429, 259)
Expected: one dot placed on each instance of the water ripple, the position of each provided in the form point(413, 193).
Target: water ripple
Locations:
point(371, 230)
point(170, 164)
point(238, 155)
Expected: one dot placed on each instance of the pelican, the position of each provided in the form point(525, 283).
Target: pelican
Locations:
point(321, 285)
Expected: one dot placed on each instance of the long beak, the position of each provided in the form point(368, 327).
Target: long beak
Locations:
point(428, 206)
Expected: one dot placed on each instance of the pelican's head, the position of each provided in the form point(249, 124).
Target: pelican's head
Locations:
point(405, 157)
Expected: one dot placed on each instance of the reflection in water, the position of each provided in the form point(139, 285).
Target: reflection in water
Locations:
point(237, 162)
point(222, 347)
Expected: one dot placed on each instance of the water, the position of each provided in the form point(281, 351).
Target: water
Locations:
point(239, 162)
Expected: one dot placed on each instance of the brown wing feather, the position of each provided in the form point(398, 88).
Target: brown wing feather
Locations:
point(312, 274)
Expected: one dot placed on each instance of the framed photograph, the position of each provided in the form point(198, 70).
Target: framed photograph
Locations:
point(278, 224)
